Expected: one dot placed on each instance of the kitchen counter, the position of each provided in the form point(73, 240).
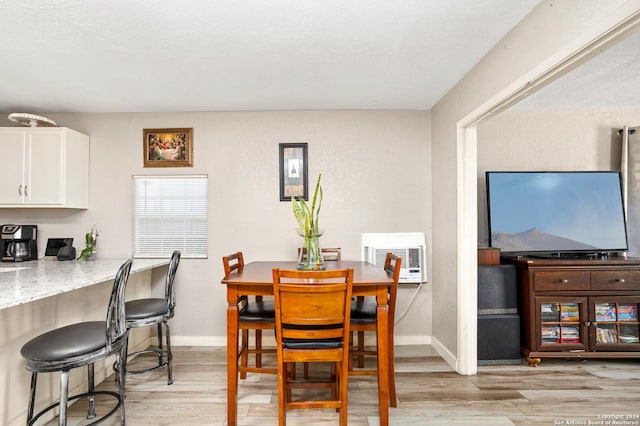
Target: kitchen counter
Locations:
point(24, 282)
point(40, 295)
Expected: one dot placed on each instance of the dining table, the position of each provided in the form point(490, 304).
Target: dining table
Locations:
point(256, 279)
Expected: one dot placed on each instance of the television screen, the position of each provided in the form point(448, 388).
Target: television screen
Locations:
point(556, 212)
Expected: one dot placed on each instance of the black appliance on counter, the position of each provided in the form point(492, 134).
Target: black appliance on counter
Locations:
point(19, 243)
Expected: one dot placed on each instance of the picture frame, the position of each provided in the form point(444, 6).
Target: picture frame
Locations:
point(168, 147)
point(293, 171)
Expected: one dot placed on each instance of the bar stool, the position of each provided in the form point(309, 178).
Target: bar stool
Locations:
point(78, 345)
point(156, 311)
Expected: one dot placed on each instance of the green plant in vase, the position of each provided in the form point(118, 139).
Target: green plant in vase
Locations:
point(308, 228)
point(91, 239)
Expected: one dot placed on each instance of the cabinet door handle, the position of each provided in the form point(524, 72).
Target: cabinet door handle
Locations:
point(20, 190)
point(595, 324)
point(26, 191)
point(564, 281)
point(587, 323)
point(620, 280)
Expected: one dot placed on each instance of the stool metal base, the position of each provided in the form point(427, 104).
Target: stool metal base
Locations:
point(62, 404)
point(161, 353)
point(91, 413)
point(165, 357)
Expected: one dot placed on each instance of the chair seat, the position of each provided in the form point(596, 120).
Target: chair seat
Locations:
point(363, 312)
point(311, 344)
point(259, 311)
point(65, 343)
point(145, 308)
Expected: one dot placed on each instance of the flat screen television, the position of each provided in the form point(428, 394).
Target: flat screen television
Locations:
point(556, 214)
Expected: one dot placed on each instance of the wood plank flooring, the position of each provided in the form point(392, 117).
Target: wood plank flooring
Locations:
point(558, 392)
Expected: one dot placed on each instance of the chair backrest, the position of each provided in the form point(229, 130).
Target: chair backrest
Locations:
point(331, 253)
point(116, 320)
point(328, 253)
point(312, 305)
point(392, 265)
point(233, 262)
point(169, 289)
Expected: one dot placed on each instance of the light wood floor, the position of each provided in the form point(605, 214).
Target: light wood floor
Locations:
point(558, 392)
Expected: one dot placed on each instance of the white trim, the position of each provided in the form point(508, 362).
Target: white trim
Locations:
point(199, 176)
point(221, 341)
point(442, 350)
point(196, 341)
point(467, 188)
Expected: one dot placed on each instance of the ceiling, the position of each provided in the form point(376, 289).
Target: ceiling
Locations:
point(609, 80)
point(234, 55)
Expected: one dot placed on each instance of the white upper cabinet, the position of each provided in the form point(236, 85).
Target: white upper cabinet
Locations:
point(44, 167)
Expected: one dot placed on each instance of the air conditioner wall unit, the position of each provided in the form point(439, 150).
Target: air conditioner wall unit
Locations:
point(411, 247)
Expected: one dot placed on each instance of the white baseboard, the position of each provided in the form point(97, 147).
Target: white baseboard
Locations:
point(198, 341)
point(444, 353)
point(221, 341)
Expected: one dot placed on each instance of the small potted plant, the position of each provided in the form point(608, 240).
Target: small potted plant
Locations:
point(310, 255)
point(91, 238)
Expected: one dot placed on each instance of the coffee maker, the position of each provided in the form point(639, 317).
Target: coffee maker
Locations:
point(19, 242)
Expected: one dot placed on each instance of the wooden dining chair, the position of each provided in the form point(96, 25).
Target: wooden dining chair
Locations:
point(256, 315)
point(328, 253)
point(312, 325)
point(364, 319)
point(331, 253)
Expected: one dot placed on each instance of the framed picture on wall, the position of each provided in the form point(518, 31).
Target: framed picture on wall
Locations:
point(293, 171)
point(168, 147)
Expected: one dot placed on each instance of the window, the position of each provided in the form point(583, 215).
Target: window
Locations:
point(171, 213)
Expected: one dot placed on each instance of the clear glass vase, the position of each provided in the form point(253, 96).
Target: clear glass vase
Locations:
point(310, 254)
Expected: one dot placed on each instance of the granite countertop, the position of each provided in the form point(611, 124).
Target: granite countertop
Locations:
point(24, 282)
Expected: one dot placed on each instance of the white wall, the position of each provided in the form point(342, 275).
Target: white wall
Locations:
point(375, 167)
point(548, 140)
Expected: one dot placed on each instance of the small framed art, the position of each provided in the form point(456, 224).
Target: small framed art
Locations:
point(293, 171)
point(168, 147)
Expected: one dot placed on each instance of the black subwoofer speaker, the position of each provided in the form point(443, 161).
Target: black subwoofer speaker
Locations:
point(499, 339)
point(497, 293)
point(498, 319)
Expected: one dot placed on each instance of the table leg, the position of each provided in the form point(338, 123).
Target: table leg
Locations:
point(383, 354)
point(232, 355)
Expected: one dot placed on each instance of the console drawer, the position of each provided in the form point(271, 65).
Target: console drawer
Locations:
point(561, 280)
point(615, 280)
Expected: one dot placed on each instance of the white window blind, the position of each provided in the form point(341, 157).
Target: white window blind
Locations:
point(171, 213)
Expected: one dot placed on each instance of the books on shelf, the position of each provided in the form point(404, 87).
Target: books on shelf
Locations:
point(546, 308)
point(555, 334)
point(608, 312)
point(628, 312)
point(570, 312)
point(605, 312)
point(570, 335)
point(618, 323)
point(606, 335)
point(629, 339)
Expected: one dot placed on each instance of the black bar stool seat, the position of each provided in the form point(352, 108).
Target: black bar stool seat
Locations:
point(58, 348)
point(152, 310)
